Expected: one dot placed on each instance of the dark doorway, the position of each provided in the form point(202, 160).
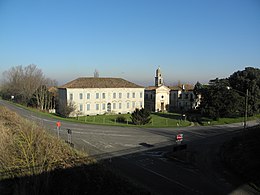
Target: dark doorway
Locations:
point(109, 107)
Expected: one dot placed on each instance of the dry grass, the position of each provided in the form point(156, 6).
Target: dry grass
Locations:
point(26, 146)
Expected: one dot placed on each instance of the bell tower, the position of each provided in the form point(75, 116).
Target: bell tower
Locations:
point(158, 78)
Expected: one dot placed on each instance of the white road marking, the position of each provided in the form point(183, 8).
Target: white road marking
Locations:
point(106, 145)
point(167, 178)
point(108, 134)
point(90, 144)
point(92, 133)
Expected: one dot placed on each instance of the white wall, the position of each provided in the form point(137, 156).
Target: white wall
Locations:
point(80, 98)
point(162, 96)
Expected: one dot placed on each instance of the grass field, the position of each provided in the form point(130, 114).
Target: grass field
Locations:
point(158, 119)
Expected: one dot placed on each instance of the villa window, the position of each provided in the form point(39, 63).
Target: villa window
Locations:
point(88, 107)
point(80, 107)
point(114, 105)
point(71, 96)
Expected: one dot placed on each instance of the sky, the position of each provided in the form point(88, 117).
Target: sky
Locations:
point(190, 40)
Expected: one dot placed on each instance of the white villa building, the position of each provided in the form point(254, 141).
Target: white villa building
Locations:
point(93, 96)
point(161, 98)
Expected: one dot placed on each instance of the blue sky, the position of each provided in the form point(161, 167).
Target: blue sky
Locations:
point(191, 40)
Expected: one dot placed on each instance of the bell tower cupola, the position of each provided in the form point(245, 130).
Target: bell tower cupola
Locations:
point(158, 78)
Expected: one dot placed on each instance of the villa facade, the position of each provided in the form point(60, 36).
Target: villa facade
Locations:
point(93, 96)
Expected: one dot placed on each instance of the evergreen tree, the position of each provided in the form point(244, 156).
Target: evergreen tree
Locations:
point(140, 116)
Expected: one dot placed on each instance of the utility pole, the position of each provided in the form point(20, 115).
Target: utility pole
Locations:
point(246, 108)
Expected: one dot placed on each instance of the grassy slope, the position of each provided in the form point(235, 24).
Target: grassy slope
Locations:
point(242, 154)
point(33, 162)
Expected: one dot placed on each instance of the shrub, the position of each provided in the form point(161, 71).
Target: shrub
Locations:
point(121, 119)
point(67, 110)
point(140, 117)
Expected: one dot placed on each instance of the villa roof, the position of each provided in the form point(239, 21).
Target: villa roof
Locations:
point(94, 82)
point(151, 88)
point(187, 87)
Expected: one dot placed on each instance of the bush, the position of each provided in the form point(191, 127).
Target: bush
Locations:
point(141, 117)
point(67, 110)
point(121, 119)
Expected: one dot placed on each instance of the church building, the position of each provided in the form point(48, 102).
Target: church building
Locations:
point(162, 98)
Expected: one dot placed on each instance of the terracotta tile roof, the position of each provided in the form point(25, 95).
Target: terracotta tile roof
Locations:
point(92, 82)
point(151, 88)
point(188, 87)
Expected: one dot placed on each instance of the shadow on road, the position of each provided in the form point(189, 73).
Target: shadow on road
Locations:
point(196, 169)
point(85, 179)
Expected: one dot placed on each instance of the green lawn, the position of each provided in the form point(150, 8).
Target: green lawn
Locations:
point(222, 121)
point(158, 119)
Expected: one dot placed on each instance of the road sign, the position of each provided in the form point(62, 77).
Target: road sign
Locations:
point(58, 124)
point(179, 137)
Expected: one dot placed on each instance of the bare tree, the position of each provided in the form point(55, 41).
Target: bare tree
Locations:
point(33, 78)
point(27, 83)
point(43, 96)
point(12, 80)
point(67, 109)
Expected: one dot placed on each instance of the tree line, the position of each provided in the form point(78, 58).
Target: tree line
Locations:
point(227, 97)
point(28, 86)
point(224, 97)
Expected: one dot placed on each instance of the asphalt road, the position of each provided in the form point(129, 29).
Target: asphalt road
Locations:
point(142, 154)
